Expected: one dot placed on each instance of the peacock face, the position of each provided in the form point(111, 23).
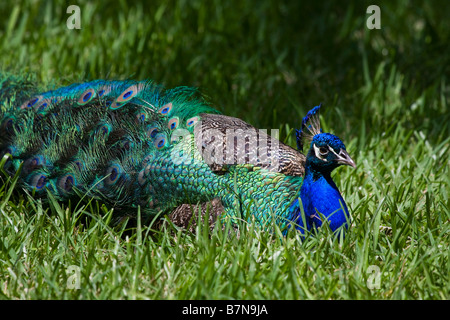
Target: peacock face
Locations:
point(327, 152)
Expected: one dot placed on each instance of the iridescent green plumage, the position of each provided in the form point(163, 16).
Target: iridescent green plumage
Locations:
point(133, 143)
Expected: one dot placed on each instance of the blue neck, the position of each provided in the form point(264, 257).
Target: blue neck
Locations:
point(319, 193)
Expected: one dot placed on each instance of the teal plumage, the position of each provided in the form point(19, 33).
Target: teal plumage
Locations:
point(134, 143)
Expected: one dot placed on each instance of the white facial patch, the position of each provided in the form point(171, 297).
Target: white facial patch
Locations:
point(332, 150)
point(317, 152)
point(323, 156)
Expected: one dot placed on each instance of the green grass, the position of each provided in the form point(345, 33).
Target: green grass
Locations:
point(386, 94)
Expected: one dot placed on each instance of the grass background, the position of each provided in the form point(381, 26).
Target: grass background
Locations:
point(385, 93)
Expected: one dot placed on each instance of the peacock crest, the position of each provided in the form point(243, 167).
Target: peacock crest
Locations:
point(309, 128)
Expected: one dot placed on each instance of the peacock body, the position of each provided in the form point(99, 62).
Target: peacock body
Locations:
point(134, 143)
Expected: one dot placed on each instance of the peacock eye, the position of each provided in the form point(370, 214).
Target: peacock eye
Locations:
point(323, 151)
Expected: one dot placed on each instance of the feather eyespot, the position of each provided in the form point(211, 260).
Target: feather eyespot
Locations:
point(33, 163)
point(192, 121)
point(160, 141)
point(86, 96)
point(30, 103)
point(104, 130)
point(67, 182)
point(141, 117)
point(165, 110)
point(113, 173)
point(42, 105)
point(173, 123)
point(39, 181)
point(152, 132)
point(126, 96)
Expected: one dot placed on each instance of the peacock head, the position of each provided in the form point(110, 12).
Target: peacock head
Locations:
point(327, 151)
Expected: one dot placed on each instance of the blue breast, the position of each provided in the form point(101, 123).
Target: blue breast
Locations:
point(320, 194)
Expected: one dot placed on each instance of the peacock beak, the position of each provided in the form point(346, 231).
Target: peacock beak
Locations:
point(344, 158)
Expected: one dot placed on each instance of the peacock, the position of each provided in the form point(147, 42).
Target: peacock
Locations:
point(135, 144)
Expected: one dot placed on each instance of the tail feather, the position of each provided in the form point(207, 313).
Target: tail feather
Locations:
point(92, 137)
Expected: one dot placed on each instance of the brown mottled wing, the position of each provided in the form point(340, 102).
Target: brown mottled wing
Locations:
point(226, 141)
